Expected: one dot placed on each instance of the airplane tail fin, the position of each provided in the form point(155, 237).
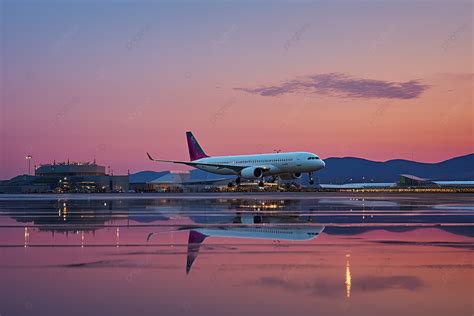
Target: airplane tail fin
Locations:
point(195, 240)
point(195, 150)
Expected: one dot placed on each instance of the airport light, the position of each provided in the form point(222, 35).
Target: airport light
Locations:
point(29, 163)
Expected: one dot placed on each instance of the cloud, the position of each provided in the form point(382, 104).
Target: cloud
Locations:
point(91, 264)
point(460, 245)
point(465, 76)
point(330, 288)
point(377, 283)
point(344, 86)
point(319, 287)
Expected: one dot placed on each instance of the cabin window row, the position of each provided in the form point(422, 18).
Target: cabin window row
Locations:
point(256, 161)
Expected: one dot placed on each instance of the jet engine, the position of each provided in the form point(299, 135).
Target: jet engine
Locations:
point(251, 173)
point(290, 176)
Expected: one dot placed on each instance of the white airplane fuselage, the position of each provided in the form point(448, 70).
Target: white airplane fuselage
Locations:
point(276, 163)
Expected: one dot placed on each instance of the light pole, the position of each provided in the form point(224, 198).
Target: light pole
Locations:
point(29, 163)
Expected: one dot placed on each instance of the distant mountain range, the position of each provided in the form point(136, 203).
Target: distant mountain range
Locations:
point(344, 170)
point(349, 169)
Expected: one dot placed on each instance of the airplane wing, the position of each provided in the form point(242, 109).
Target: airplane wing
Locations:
point(235, 168)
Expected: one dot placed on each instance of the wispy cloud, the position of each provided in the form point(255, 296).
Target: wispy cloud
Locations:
point(465, 76)
point(344, 86)
point(330, 288)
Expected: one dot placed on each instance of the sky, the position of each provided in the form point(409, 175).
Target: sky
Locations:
point(111, 80)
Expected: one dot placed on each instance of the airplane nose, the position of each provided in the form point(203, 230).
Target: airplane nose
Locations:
point(323, 164)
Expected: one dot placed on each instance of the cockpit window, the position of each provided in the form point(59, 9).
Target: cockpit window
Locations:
point(313, 158)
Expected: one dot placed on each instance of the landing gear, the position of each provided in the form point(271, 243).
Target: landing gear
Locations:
point(262, 181)
point(311, 179)
point(237, 180)
point(230, 185)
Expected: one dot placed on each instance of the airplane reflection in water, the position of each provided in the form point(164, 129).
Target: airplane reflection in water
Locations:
point(265, 226)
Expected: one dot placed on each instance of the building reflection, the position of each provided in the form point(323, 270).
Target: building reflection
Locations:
point(27, 237)
point(117, 236)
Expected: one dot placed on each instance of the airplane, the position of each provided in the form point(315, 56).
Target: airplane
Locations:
point(285, 165)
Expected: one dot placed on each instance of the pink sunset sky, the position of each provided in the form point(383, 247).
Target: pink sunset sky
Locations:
point(112, 80)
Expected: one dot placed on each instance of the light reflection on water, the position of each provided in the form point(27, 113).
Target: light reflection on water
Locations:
point(329, 253)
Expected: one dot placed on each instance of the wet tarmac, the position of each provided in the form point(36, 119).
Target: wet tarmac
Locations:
point(234, 254)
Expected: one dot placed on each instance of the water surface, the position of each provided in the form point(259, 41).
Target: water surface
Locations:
point(298, 254)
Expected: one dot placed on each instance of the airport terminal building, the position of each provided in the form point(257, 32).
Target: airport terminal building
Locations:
point(70, 169)
point(66, 177)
